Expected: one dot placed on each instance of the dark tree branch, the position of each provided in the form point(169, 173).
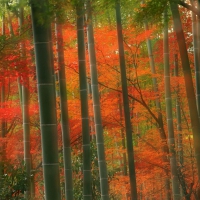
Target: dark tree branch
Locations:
point(189, 7)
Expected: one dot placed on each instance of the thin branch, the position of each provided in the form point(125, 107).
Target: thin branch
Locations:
point(189, 7)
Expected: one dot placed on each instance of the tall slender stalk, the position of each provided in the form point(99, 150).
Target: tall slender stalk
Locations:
point(25, 112)
point(96, 107)
point(64, 114)
point(87, 181)
point(52, 62)
point(170, 126)
point(19, 89)
point(196, 42)
point(3, 122)
point(196, 32)
point(92, 128)
point(123, 139)
point(179, 129)
point(178, 112)
point(155, 84)
point(129, 140)
point(26, 136)
point(46, 96)
point(3, 131)
point(188, 81)
point(163, 136)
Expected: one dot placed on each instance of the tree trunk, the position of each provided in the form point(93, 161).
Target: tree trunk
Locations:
point(96, 107)
point(163, 136)
point(188, 82)
point(46, 95)
point(196, 33)
point(170, 126)
point(64, 114)
point(183, 188)
point(3, 122)
point(3, 132)
point(123, 138)
point(25, 111)
point(87, 181)
point(129, 140)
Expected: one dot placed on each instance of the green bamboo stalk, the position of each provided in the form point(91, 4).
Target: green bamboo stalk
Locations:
point(125, 173)
point(130, 152)
point(170, 126)
point(188, 82)
point(52, 62)
point(25, 112)
point(92, 128)
point(87, 181)
point(178, 113)
point(26, 136)
point(197, 41)
point(64, 114)
point(179, 129)
point(163, 136)
point(97, 108)
point(196, 35)
point(3, 130)
point(46, 94)
point(155, 84)
point(3, 122)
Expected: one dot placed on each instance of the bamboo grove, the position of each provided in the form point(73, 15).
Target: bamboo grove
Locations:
point(100, 99)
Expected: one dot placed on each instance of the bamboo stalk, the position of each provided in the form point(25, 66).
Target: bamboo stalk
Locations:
point(129, 140)
point(170, 126)
point(64, 114)
point(87, 181)
point(46, 95)
point(188, 82)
